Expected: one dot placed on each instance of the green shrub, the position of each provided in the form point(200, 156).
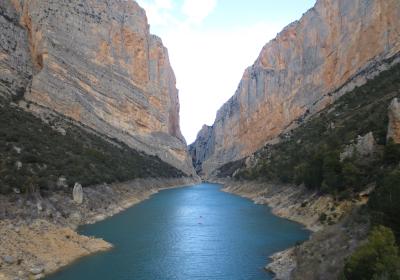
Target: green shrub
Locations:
point(377, 259)
point(80, 156)
point(385, 202)
point(392, 153)
point(323, 217)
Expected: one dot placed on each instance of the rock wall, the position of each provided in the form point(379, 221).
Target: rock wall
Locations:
point(202, 148)
point(334, 47)
point(94, 61)
point(15, 61)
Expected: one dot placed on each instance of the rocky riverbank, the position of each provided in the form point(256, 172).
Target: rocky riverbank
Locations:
point(337, 227)
point(37, 232)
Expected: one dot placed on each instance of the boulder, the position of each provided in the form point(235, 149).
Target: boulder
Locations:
point(9, 259)
point(75, 218)
point(62, 182)
point(36, 270)
point(394, 121)
point(77, 193)
point(61, 130)
point(365, 146)
point(18, 165)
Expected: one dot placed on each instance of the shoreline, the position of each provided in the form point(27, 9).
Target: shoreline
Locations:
point(339, 227)
point(38, 234)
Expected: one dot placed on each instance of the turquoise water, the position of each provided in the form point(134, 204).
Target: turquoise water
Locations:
point(195, 233)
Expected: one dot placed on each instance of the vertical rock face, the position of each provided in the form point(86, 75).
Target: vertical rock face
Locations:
point(202, 148)
point(334, 47)
point(95, 62)
point(394, 121)
point(15, 60)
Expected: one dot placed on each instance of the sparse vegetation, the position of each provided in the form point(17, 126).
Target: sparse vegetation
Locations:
point(33, 155)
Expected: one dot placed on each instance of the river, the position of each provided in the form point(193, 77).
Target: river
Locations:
point(196, 232)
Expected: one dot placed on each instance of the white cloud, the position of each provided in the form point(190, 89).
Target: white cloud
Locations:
point(209, 66)
point(164, 4)
point(208, 63)
point(198, 10)
point(158, 11)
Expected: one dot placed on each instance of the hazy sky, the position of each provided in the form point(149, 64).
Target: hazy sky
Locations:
point(211, 43)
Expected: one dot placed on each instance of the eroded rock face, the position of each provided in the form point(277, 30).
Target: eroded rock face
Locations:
point(365, 146)
point(15, 61)
point(394, 121)
point(334, 47)
point(95, 62)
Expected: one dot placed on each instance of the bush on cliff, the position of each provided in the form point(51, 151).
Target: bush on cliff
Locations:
point(385, 202)
point(34, 155)
point(377, 259)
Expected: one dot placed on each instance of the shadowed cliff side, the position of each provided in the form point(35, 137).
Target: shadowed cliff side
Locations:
point(334, 47)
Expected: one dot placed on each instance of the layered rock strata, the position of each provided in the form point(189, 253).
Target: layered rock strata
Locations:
point(96, 63)
point(334, 47)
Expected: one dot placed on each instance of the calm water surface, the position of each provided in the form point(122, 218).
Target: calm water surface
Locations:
point(195, 233)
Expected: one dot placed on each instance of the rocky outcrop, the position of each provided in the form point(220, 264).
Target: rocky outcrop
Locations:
point(96, 63)
point(77, 193)
point(394, 121)
point(364, 147)
point(202, 148)
point(334, 47)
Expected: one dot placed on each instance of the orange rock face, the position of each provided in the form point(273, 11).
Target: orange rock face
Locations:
point(335, 46)
point(96, 62)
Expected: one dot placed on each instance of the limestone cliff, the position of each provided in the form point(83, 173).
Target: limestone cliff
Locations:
point(203, 147)
point(95, 62)
point(334, 47)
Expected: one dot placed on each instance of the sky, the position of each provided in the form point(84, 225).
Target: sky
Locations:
point(211, 43)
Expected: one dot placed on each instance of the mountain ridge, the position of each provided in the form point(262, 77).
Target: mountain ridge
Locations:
point(311, 63)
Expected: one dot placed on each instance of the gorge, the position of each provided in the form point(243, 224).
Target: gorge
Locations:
point(89, 127)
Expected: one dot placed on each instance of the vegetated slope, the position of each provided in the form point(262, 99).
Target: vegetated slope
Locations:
point(35, 155)
point(310, 154)
point(341, 151)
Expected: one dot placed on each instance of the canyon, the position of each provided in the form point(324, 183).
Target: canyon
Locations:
point(90, 127)
point(335, 47)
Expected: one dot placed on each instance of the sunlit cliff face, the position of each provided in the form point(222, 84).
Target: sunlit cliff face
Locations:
point(96, 63)
point(299, 71)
